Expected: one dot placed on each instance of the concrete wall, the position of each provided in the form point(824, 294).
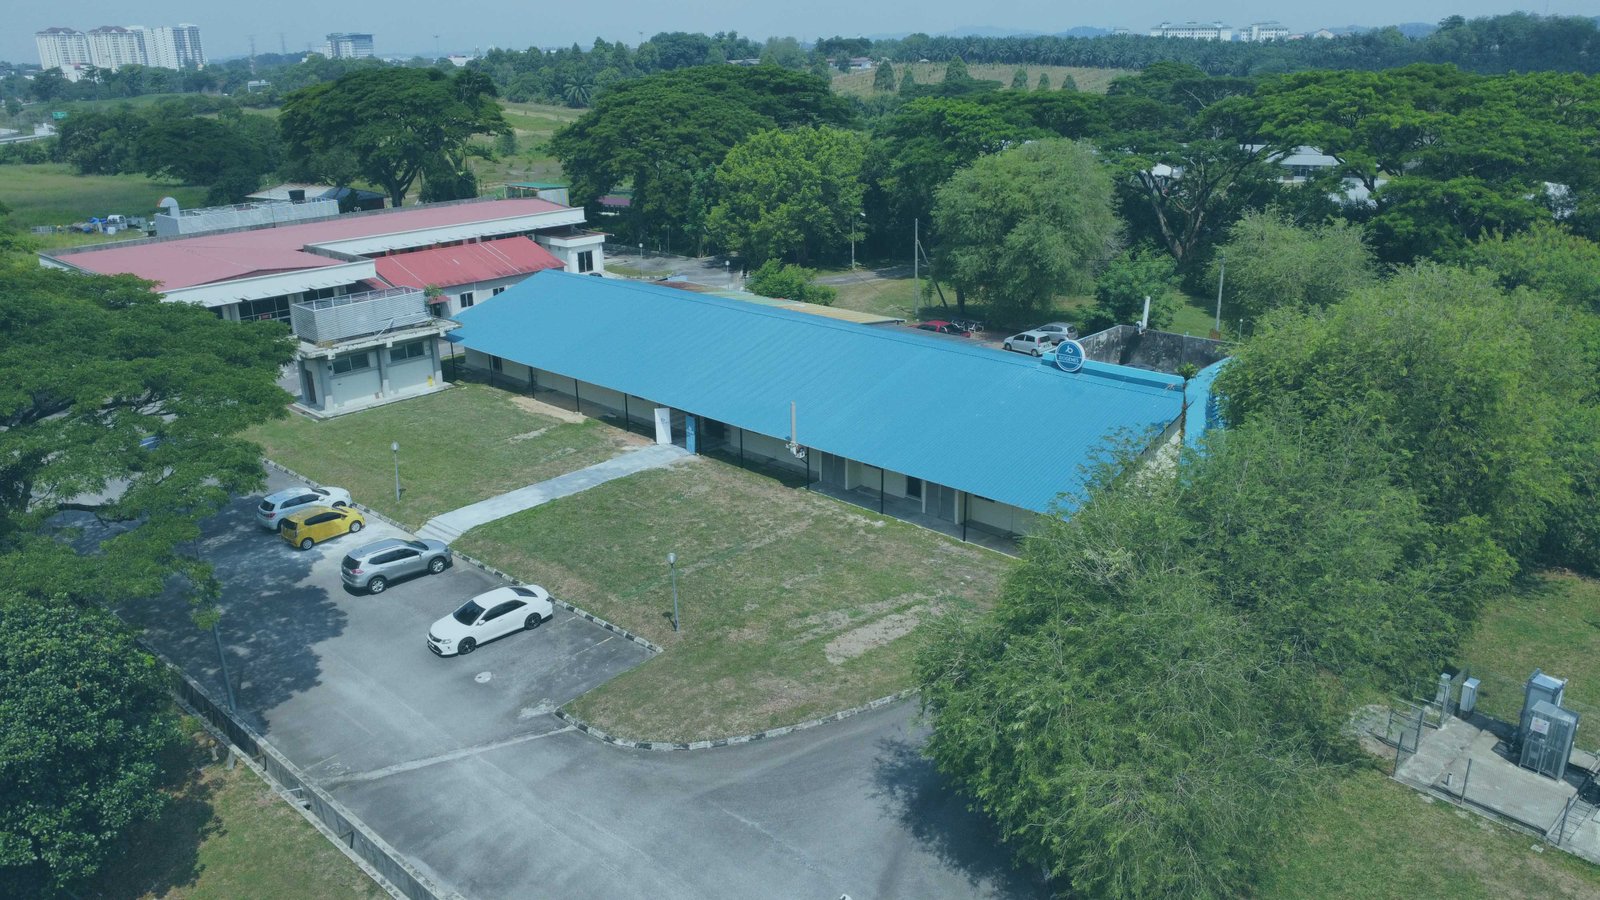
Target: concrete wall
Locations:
point(999, 516)
point(1161, 351)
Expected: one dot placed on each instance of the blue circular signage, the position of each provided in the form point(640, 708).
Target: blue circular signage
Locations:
point(1069, 356)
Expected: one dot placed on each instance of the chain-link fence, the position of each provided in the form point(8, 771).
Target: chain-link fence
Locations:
point(385, 860)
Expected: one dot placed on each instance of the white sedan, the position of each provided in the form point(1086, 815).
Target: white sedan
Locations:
point(488, 616)
point(278, 504)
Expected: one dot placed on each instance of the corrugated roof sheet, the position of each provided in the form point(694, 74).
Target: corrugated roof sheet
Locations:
point(466, 263)
point(209, 258)
point(1003, 426)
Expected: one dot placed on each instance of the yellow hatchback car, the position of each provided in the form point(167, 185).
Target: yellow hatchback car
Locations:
point(319, 523)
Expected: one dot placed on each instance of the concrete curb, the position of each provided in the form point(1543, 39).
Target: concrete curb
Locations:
point(842, 714)
point(577, 611)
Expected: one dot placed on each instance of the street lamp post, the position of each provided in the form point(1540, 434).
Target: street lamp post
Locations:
point(222, 660)
point(853, 240)
point(395, 447)
point(672, 564)
point(727, 269)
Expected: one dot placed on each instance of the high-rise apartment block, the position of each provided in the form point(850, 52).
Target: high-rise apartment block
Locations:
point(115, 46)
point(348, 46)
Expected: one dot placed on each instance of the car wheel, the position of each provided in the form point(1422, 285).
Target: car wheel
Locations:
point(436, 565)
point(1037, 352)
point(377, 584)
point(1008, 345)
point(466, 646)
point(306, 544)
point(533, 621)
point(355, 526)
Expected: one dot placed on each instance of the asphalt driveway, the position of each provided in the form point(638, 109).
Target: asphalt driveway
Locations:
point(459, 764)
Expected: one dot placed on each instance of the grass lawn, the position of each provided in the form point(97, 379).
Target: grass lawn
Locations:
point(884, 296)
point(533, 124)
point(1371, 837)
point(457, 447)
point(226, 835)
point(793, 605)
point(50, 194)
point(1092, 81)
point(1551, 622)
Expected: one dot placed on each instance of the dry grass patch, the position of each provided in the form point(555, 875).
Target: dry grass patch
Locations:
point(792, 605)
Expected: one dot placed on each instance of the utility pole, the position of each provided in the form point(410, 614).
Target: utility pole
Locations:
point(1222, 273)
point(916, 253)
point(283, 44)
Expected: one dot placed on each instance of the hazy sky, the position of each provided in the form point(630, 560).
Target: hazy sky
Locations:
point(410, 26)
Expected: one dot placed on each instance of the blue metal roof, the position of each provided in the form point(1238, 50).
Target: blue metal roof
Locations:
point(1004, 426)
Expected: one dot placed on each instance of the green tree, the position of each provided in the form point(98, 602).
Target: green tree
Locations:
point(1546, 258)
point(788, 193)
point(394, 121)
point(1121, 289)
point(1272, 263)
point(1482, 398)
point(1127, 730)
point(955, 71)
point(1019, 80)
point(1068, 83)
point(664, 133)
point(229, 154)
point(1044, 82)
point(73, 414)
point(908, 80)
point(788, 281)
point(86, 718)
point(1018, 228)
point(883, 76)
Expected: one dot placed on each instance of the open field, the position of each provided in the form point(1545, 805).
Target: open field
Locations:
point(51, 194)
point(1370, 837)
point(1551, 622)
point(1092, 81)
point(534, 124)
point(226, 835)
point(793, 605)
point(456, 447)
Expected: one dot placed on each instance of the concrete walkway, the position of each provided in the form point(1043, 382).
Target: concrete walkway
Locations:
point(451, 525)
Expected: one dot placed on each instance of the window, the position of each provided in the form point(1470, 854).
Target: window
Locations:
point(495, 364)
point(502, 609)
point(403, 352)
point(322, 293)
point(914, 488)
point(586, 261)
point(497, 292)
point(465, 299)
point(352, 363)
point(275, 308)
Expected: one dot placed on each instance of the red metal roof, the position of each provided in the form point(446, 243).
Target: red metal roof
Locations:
point(211, 258)
point(466, 263)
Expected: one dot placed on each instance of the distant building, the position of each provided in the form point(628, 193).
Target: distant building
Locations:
point(343, 45)
point(1322, 34)
point(114, 46)
point(62, 48)
point(175, 47)
point(1263, 31)
point(1195, 31)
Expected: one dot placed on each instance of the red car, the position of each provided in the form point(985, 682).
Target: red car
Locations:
point(942, 327)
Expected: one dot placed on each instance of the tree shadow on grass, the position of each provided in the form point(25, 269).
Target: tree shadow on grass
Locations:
point(163, 854)
point(932, 812)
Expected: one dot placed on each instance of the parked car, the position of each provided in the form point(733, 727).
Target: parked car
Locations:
point(371, 568)
point(940, 326)
point(488, 616)
point(1034, 342)
point(278, 504)
point(315, 524)
point(1059, 331)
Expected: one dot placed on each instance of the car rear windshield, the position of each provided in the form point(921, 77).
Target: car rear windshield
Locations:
point(266, 506)
point(469, 612)
point(349, 562)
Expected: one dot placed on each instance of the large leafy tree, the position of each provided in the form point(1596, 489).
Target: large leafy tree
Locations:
point(393, 121)
point(1474, 392)
point(1272, 262)
point(78, 418)
point(792, 194)
point(663, 134)
point(84, 719)
point(1019, 228)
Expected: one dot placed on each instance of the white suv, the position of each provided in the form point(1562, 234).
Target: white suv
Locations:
point(1034, 342)
point(278, 504)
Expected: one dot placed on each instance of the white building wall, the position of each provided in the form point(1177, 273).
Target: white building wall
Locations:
point(62, 48)
point(999, 516)
point(112, 47)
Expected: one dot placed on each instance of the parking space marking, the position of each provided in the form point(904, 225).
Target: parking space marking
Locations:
point(609, 637)
point(453, 755)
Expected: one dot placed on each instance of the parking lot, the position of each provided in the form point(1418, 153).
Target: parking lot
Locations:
point(458, 764)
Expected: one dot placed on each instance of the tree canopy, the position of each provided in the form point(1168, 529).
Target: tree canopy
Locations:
point(1272, 263)
point(394, 122)
point(1023, 226)
point(793, 194)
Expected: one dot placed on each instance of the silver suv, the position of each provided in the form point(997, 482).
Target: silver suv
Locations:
point(374, 566)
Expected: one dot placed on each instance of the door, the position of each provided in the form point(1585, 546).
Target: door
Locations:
point(406, 562)
point(502, 619)
point(310, 385)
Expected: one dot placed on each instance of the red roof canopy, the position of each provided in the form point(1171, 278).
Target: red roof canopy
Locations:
point(466, 263)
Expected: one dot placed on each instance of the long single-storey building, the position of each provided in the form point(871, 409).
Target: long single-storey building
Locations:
point(967, 439)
